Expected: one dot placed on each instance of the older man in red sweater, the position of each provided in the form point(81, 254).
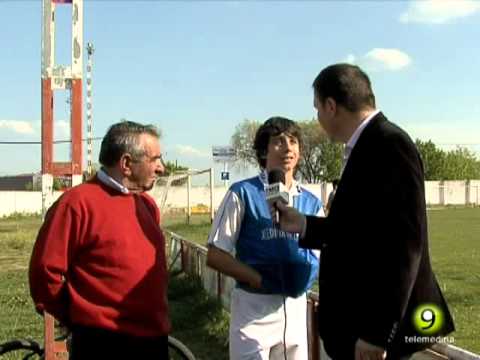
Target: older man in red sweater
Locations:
point(98, 264)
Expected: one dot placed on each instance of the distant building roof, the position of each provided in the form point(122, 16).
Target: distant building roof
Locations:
point(15, 182)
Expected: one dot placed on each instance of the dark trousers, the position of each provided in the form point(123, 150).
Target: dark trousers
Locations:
point(93, 343)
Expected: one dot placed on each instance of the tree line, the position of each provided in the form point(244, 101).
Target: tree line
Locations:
point(64, 182)
point(321, 159)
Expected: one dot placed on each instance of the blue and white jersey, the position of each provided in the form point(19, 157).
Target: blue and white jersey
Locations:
point(243, 227)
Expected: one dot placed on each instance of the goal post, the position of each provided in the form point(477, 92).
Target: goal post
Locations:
point(173, 193)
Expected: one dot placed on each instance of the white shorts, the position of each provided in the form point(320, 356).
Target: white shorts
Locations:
point(257, 324)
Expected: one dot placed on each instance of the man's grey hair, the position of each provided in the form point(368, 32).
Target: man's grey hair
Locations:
point(122, 138)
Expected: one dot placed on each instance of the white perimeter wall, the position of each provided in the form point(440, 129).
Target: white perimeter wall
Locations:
point(436, 193)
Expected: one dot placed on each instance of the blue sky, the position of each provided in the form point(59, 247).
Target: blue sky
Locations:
point(197, 69)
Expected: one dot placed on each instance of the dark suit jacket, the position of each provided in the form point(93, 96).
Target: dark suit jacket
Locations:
point(375, 266)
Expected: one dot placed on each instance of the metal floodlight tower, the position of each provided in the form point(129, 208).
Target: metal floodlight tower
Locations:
point(90, 51)
point(61, 77)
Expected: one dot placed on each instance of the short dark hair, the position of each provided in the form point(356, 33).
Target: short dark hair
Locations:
point(335, 182)
point(347, 84)
point(122, 138)
point(272, 127)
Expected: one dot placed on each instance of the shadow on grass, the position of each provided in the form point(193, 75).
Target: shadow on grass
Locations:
point(198, 321)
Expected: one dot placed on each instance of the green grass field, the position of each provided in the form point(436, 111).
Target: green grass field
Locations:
point(455, 251)
point(454, 235)
point(203, 325)
point(196, 319)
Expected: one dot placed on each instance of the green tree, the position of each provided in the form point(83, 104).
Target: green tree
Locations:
point(242, 141)
point(58, 184)
point(320, 158)
point(172, 168)
point(461, 164)
point(95, 168)
point(29, 186)
point(458, 164)
point(433, 160)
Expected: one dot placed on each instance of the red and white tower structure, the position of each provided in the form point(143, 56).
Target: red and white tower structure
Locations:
point(63, 77)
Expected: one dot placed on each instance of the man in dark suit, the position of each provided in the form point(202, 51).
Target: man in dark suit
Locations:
point(376, 285)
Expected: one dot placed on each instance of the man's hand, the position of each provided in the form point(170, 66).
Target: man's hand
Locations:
point(366, 351)
point(290, 219)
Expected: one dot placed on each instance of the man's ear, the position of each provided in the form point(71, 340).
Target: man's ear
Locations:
point(126, 161)
point(331, 105)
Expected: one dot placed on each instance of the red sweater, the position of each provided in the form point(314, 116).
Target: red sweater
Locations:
point(99, 260)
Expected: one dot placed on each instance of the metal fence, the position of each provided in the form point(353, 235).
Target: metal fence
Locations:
point(191, 258)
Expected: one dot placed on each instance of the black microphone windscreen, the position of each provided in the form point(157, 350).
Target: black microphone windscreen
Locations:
point(276, 176)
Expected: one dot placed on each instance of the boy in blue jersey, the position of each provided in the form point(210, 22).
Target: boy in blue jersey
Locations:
point(268, 304)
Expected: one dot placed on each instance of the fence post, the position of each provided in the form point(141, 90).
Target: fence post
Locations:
point(467, 192)
point(441, 192)
point(219, 286)
point(199, 264)
point(189, 206)
point(323, 192)
point(182, 255)
point(312, 328)
point(212, 193)
point(54, 350)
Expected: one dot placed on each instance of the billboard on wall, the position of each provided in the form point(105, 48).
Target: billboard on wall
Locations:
point(223, 153)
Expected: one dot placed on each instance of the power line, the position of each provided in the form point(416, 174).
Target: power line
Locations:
point(456, 144)
point(39, 142)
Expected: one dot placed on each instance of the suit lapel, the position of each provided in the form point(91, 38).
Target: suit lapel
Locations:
point(355, 163)
point(367, 138)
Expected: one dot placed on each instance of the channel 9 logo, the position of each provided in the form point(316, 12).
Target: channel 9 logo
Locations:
point(428, 319)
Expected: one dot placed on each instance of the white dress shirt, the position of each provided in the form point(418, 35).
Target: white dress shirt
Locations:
point(354, 138)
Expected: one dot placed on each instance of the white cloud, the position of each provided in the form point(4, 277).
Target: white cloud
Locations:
point(439, 11)
point(188, 150)
point(350, 59)
point(17, 126)
point(387, 59)
point(61, 129)
point(379, 59)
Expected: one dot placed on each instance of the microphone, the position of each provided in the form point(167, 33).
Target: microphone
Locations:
point(276, 190)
